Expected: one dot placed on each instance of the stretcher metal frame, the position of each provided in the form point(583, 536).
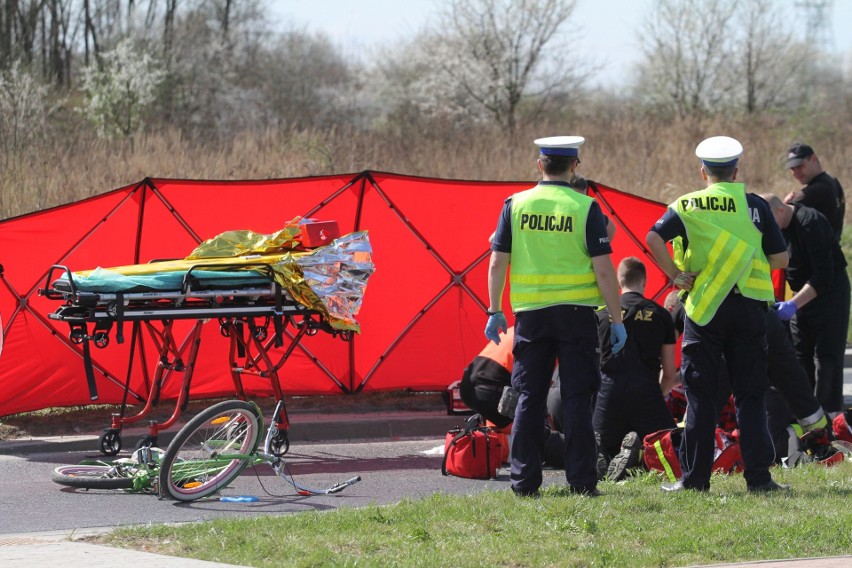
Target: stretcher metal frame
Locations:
point(244, 313)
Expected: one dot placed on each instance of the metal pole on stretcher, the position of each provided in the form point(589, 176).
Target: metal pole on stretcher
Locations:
point(261, 365)
point(169, 361)
point(110, 439)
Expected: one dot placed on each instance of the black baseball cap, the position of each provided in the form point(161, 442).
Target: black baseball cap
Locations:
point(797, 153)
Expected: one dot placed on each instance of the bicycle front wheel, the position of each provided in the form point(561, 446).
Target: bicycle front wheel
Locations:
point(211, 450)
point(91, 477)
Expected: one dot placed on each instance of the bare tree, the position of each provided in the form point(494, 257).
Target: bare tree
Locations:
point(686, 46)
point(300, 76)
point(731, 55)
point(214, 86)
point(771, 62)
point(488, 56)
point(168, 28)
point(24, 109)
point(24, 25)
point(7, 11)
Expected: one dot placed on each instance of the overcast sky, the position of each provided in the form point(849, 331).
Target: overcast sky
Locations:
point(608, 27)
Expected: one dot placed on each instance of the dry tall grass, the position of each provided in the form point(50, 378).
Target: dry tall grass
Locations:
point(639, 153)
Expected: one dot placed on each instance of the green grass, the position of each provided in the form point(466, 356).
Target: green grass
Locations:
point(633, 524)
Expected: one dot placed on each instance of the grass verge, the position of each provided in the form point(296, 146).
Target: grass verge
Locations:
point(633, 524)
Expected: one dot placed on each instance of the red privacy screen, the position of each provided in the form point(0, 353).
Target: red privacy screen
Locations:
point(422, 317)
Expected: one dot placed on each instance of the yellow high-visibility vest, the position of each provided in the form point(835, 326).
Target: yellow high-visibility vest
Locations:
point(724, 247)
point(550, 263)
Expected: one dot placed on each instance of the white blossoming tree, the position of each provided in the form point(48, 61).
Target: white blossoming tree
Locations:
point(121, 89)
point(23, 108)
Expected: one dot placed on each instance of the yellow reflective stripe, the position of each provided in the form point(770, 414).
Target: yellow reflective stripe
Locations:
point(760, 276)
point(759, 283)
point(588, 278)
point(761, 265)
point(555, 296)
point(738, 251)
point(721, 249)
point(659, 448)
point(797, 429)
point(821, 423)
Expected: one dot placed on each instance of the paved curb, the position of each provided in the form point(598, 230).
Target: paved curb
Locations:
point(387, 425)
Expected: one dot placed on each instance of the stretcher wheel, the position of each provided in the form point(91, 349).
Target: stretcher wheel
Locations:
point(260, 333)
point(309, 322)
point(110, 442)
point(77, 336)
point(101, 340)
point(147, 442)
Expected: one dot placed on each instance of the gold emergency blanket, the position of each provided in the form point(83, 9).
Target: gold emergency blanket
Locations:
point(330, 279)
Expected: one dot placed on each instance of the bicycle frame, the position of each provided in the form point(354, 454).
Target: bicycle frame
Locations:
point(219, 455)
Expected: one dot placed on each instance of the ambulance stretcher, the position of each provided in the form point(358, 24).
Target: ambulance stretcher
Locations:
point(243, 295)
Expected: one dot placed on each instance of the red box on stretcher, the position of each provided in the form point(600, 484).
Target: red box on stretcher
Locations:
point(319, 233)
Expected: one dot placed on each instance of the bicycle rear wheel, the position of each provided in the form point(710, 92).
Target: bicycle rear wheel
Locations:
point(90, 477)
point(211, 450)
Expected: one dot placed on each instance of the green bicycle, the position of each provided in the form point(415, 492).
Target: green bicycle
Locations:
point(136, 473)
point(213, 448)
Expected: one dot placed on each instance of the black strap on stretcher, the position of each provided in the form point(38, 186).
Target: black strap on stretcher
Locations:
point(277, 317)
point(119, 318)
point(88, 366)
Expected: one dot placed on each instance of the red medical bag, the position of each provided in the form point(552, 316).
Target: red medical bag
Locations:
point(475, 453)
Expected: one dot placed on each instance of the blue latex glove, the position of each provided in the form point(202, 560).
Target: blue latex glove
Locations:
point(617, 336)
point(786, 310)
point(496, 323)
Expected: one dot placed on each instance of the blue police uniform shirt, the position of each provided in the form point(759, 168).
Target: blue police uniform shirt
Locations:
point(670, 225)
point(597, 240)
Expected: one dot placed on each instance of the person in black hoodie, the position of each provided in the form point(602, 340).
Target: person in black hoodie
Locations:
point(818, 312)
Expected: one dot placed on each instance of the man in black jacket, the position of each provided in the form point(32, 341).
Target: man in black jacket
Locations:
point(821, 191)
point(819, 309)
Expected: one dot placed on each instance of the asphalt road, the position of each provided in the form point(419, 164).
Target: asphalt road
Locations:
point(390, 470)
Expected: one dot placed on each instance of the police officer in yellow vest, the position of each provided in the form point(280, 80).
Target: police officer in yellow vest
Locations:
point(553, 242)
point(725, 243)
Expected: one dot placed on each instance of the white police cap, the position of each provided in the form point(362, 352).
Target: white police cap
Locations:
point(719, 151)
point(560, 145)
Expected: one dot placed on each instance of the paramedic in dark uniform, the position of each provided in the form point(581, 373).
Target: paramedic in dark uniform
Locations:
point(630, 403)
point(553, 242)
point(733, 243)
point(821, 191)
point(819, 309)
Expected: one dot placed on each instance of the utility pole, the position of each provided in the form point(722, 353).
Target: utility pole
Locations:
point(818, 15)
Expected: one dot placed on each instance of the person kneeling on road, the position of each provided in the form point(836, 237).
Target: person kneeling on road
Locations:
point(485, 388)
